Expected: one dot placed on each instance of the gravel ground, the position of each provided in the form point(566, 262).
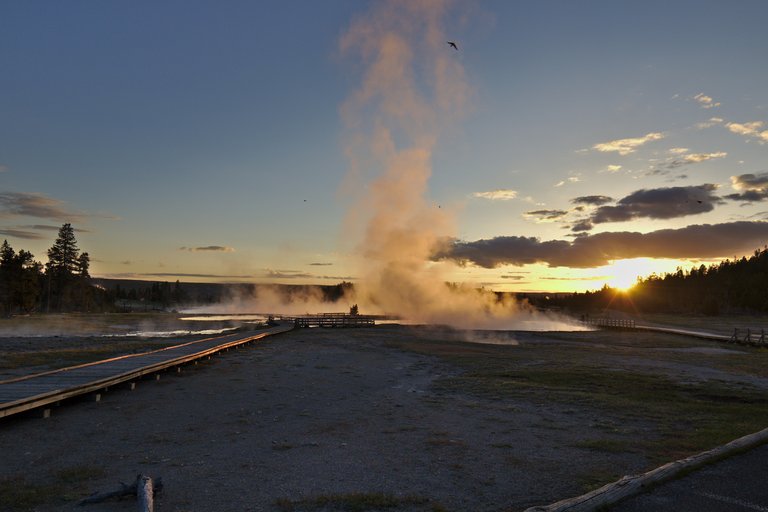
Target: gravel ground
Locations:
point(312, 414)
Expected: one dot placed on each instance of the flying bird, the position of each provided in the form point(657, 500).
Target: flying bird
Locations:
point(453, 45)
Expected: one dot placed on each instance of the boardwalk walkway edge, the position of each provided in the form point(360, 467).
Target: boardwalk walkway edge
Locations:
point(56, 395)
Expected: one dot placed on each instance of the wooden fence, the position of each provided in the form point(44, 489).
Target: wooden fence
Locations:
point(748, 336)
point(333, 320)
point(611, 323)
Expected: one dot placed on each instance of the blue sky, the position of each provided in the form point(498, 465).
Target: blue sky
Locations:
point(204, 141)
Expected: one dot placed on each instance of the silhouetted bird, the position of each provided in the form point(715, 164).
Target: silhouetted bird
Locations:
point(453, 45)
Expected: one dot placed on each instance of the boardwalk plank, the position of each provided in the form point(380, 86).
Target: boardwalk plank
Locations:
point(68, 382)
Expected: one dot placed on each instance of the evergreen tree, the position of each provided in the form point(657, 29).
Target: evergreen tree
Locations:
point(20, 280)
point(63, 257)
point(83, 264)
point(67, 273)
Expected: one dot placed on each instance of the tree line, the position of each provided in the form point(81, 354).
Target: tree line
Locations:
point(62, 284)
point(738, 286)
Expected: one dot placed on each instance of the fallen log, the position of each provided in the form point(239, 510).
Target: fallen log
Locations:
point(632, 485)
point(145, 494)
point(143, 488)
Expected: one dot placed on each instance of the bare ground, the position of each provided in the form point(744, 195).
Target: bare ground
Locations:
point(332, 419)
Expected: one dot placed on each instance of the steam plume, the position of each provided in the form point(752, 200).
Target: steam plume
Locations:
point(412, 89)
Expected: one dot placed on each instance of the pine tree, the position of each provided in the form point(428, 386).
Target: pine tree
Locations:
point(63, 256)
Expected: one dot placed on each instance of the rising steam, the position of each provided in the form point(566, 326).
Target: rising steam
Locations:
point(413, 88)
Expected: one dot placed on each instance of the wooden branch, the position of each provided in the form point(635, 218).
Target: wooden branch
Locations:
point(142, 488)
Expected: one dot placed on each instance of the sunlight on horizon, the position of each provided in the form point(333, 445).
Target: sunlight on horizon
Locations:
point(623, 274)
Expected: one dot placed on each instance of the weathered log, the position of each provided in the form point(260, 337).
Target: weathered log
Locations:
point(145, 494)
point(635, 484)
point(137, 489)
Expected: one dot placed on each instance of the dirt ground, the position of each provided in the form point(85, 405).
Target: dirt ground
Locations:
point(325, 420)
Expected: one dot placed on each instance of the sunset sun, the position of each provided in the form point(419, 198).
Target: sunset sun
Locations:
point(623, 274)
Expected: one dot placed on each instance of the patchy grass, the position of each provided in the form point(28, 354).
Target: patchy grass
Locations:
point(605, 445)
point(595, 479)
point(629, 377)
point(357, 502)
point(63, 486)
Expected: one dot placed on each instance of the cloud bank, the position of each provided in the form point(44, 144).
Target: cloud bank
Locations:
point(752, 188)
point(695, 241)
point(36, 205)
point(208, 248)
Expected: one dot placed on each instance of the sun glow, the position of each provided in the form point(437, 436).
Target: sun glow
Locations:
point(623, 274)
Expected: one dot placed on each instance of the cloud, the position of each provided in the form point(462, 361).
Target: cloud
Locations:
point(296, 274)
point(321, 264)
point(502, 194)
point(593, 278)
point(47, 227)
point(23, 234)
point(692, 158)
point(750, 181)
point(546, 215)
point(706, 101)
point(592, 200)
point(131, 275)
point(571, 179)
point(751, 129)
point(36, 205)
point(626, 146)
point(695, 241)
point(659, 203)
point(28, 232)
point(513, 277)
point(286, 274)
point(208, 248)
point(3, 168)
point(582, 225)
point(753, 187)
point(612, 168)
point(712, 121)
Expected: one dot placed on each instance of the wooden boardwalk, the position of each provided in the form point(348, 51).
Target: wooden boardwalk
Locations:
point(43, 389)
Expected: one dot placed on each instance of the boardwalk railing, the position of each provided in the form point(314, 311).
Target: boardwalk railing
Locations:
point(333, 320)
point(748, 336)
point(612, 323)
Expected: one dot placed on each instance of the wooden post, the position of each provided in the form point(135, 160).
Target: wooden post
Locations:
point(145, 494)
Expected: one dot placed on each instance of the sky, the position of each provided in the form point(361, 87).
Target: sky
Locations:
point(578, 143)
